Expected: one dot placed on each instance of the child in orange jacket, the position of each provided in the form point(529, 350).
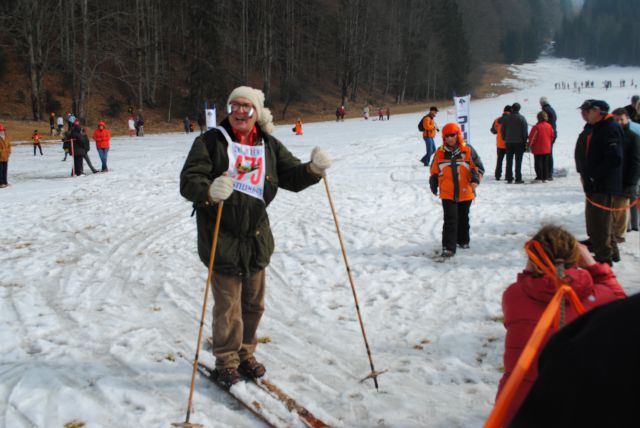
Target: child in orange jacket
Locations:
point(35, 137)
point(457, 170)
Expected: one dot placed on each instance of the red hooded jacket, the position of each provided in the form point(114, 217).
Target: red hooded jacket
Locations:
point(540, 138)
point(524, 302)
point(102, 136)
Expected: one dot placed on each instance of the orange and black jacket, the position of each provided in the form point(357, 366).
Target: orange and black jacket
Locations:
point(428, 127)
point(453, 170)
point(495, 129)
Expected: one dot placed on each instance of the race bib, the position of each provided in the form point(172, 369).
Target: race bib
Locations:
point(246, 167)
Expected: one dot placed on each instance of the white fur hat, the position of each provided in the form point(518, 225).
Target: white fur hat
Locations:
point(256, 96)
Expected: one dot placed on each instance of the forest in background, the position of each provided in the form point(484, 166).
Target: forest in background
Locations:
point(174, 55)
point(603, 33)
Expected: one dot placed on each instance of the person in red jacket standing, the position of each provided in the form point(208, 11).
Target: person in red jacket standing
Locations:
point(540, 140)
point(102, 136)
point(524, 301)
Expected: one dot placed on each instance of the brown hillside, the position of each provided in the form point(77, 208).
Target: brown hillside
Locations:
point(15, 106)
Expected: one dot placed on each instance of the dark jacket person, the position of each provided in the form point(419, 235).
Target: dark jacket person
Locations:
point(247, 183)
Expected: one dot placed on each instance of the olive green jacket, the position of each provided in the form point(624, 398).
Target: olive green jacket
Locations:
point(245, 243)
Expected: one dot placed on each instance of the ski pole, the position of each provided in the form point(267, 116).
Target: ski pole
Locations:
point(373, 373)
point(214, 245)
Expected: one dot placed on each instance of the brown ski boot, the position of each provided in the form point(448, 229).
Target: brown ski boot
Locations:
point(226, 377)
point(252, 368)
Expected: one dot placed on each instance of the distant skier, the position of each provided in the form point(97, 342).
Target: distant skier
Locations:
point(131, 125)
point(5, 153)
point(52, 123)
point(103, 142)
point(60, 122)
point(35, 138)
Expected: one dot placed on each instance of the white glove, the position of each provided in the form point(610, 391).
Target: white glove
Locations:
point(319, 161)
point(221, 188)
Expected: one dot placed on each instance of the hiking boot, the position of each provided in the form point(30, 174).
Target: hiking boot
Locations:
point(615, 256)
point(464, 246)
point(447, 253)
point(226, 377)
point(252, 368)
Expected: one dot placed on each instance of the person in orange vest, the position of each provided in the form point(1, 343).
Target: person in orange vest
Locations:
point(456, 170)
point(103, 137)
point(428, 127)
point(5, 152)
point(35, 137)
point(501, 148)
point(298, 127)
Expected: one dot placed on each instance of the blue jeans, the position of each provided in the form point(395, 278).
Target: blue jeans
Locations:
point(103, 158)
point(431, 149)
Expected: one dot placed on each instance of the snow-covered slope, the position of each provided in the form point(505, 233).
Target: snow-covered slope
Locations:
point(101, 287)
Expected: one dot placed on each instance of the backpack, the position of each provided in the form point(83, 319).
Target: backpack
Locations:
point(420, 125)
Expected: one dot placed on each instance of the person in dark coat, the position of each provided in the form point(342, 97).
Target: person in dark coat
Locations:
point(86, 143)
point(552, 118)
point(77, 148)
point(515, 131)
point(632, 112)
point(601, 176)
point(261, 166)
point(630, 172)
point(201, 123)
point(588, 372)
point(186, 123)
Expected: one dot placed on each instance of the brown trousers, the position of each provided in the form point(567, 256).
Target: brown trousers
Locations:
point(600, 225)
point(620, 218)
point(237, 309)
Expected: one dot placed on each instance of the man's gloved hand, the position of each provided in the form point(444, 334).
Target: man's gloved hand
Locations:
point(220, 189)
point(319, 161)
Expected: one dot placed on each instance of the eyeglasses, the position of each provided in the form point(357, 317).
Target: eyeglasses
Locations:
point(451, 136)
point(234, 107)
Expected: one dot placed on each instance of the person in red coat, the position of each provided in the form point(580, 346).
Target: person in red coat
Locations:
point(524, 301)
point(103, 137)
point(540, 140)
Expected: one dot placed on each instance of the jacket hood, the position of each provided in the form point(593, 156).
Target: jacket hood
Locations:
point(542, 288)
